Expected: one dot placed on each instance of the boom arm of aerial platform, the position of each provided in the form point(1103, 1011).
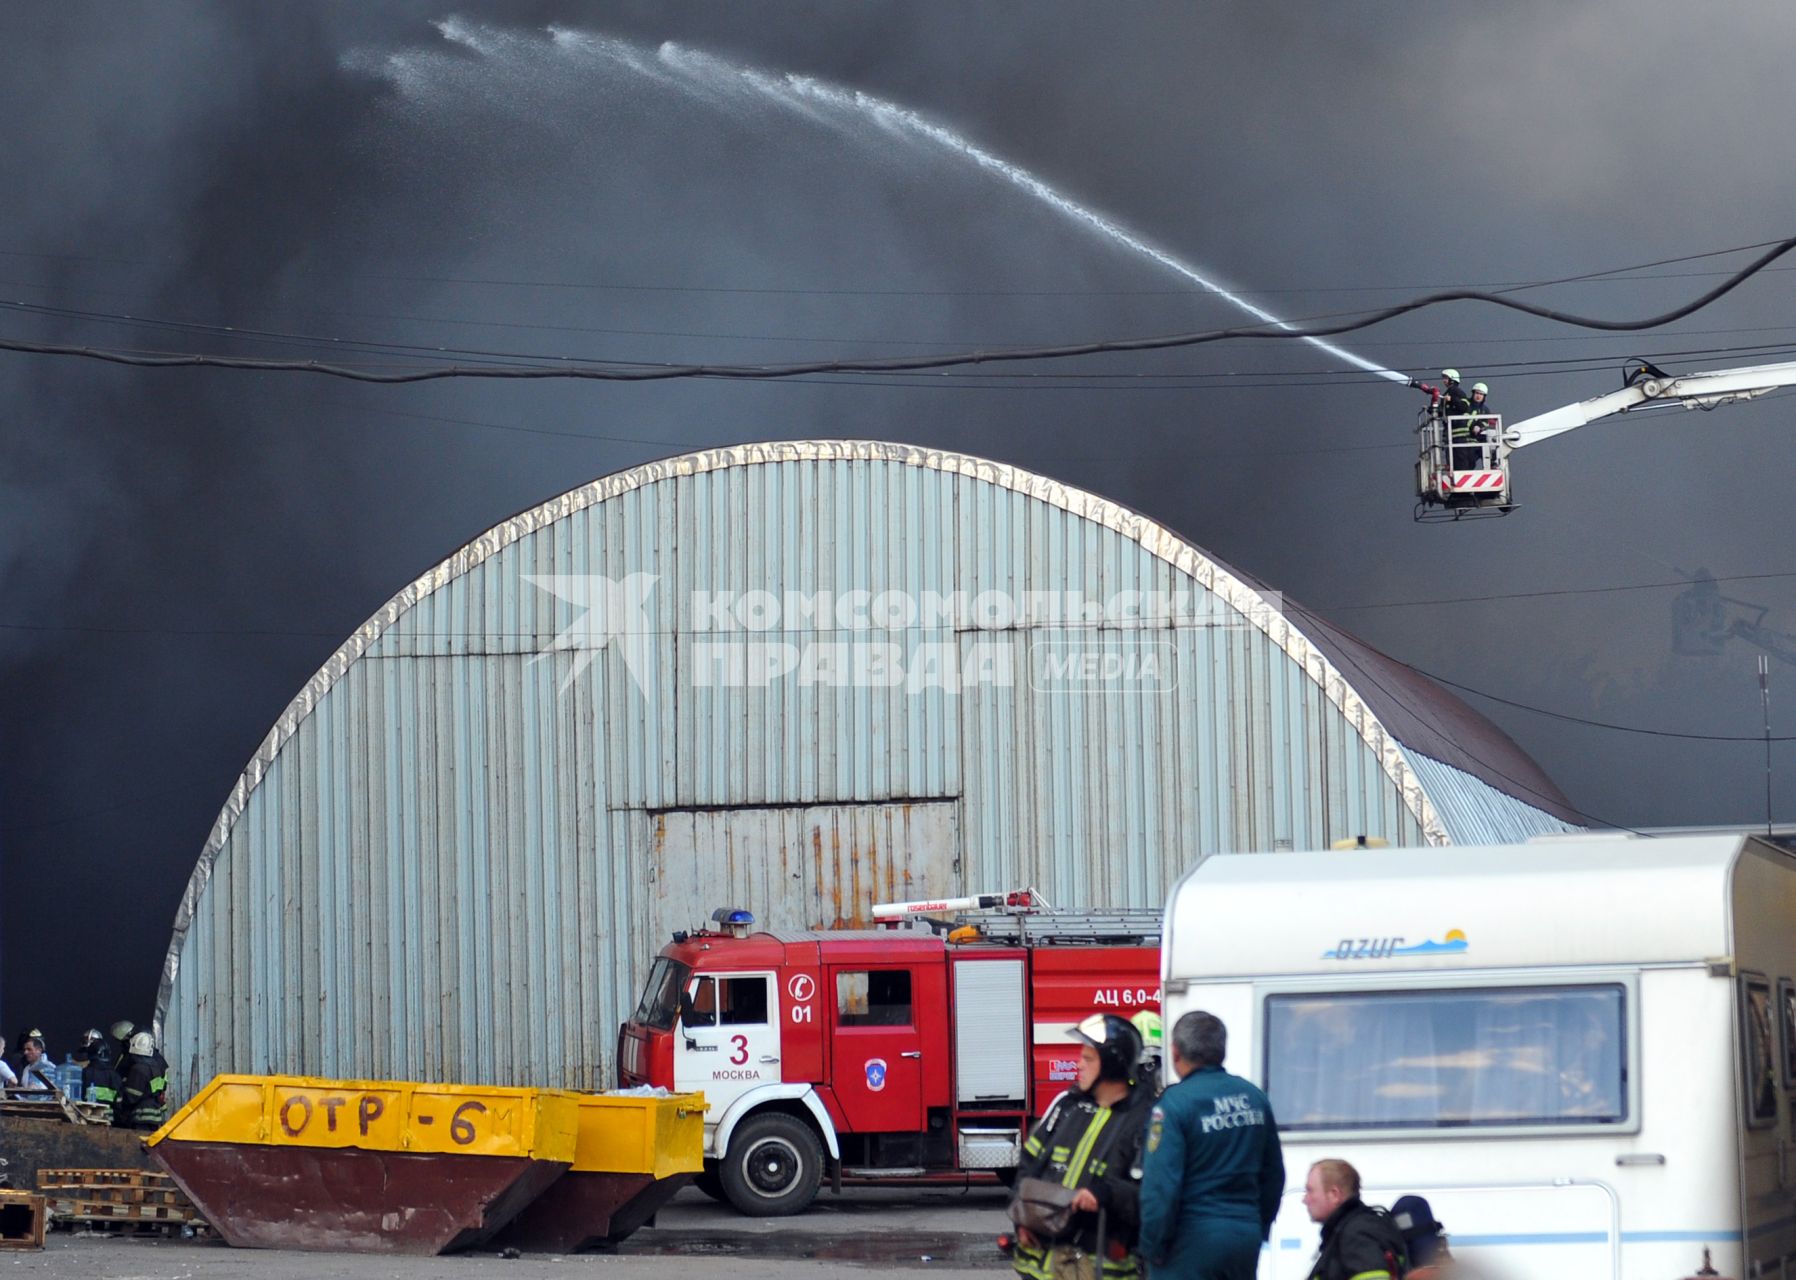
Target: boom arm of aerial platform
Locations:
point(1649, 386)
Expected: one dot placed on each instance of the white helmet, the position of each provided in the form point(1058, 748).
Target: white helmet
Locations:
point(1451, 375)
point(143, 1044)
point(1479, 389)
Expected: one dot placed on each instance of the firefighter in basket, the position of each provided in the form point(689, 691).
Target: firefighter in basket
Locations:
point(1077, 1197)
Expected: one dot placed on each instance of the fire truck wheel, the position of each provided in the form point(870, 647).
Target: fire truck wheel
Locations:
point(774, 1166)
point(710, 1181)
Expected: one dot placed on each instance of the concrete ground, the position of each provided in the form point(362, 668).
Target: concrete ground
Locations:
point(862, 1232)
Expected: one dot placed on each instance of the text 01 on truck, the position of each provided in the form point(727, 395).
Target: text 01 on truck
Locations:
point(895, 1053)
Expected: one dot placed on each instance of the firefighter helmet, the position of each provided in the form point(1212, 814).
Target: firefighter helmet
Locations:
point(1479, 389)
point(1117, 1042)
point(1148, 1023)
point(122, 1029)
point(143, 1044)
point(1451, 375)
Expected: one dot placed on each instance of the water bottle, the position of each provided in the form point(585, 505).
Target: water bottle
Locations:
point(68, 1077)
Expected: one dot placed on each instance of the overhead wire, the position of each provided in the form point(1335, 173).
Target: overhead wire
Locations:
point(1745, 738)
point(1562, 591)
point(1552, 802)
point(1609, 274)
point(616, 371)
point(240, 331)
point(1144, 380)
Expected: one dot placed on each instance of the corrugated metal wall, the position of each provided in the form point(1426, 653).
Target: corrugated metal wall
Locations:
point(456, 853)
point(1473, 812)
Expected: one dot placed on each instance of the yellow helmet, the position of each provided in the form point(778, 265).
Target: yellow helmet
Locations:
point(1148, 1023)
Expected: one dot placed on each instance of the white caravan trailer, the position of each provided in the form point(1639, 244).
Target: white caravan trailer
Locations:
point(1580, 1049)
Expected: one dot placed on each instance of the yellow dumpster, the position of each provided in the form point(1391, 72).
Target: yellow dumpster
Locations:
point(632, 1154)
point(292, 1162)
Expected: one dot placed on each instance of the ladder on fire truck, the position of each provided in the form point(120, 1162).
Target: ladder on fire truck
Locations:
point(1023, 917)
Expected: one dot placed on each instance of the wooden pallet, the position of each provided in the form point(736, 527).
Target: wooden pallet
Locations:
point(115, 1198)
point(23, 1217)
point(88, 1179)
point(36, 1106)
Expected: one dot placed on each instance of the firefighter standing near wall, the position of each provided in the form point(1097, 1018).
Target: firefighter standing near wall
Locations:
point(121, 1034)
point(143, 1102)
point(1091, 1139)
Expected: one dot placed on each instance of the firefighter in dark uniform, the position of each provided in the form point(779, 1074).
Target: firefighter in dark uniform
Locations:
point(1091, 1138)
point(143, 1102)
point(1359, 1241)
point(1471, 429)
point(1214, 1170)
point(99, 1082)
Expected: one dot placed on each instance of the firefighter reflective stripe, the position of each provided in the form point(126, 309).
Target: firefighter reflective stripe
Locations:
point(1061, 1261)
point(100, 1093)
point(1380, 1274)
point(1075, 1167)
point(1034, 1263)
point(1032, 1146)
point(1126, 1267)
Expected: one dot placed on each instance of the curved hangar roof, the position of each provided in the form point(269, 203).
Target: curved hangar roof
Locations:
point(797, 677)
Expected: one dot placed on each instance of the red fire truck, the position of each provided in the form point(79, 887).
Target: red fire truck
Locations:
point(903, 1053)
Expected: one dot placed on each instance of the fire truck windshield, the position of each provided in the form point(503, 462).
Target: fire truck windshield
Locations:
point(661, 997)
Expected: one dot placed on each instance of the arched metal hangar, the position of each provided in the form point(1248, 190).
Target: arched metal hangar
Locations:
point(795, 677)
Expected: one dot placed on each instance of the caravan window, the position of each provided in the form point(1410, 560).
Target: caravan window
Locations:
point(1444, 1058)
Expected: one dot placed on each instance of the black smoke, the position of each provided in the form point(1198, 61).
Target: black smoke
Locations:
point(182, 548)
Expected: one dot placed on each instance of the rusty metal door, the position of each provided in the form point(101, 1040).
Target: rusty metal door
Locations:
point(801, 867)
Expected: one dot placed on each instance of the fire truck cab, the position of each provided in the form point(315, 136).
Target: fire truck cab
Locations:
point(894, 1054)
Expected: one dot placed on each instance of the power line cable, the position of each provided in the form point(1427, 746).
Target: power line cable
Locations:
point(1753, 738)
point(613, 373)
point(242, 331)
point(1605, 274)
point(1562, 591)
point(1512, 368)
point(488, 323)
point(1555, 802)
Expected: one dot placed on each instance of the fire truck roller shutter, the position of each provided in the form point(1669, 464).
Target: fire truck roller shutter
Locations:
point(717, 1139)
point(991, 1049)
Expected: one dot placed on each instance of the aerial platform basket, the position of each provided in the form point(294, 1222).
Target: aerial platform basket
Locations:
point(1462, 467)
